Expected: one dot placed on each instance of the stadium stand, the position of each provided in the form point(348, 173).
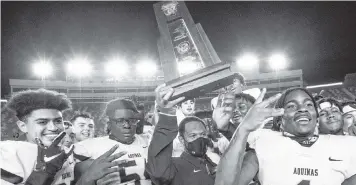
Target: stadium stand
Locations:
point(9, 129)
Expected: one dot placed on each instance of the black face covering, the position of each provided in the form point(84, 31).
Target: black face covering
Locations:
point(198, 147)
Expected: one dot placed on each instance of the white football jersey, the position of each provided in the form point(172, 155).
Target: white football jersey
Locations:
point(283, 161)
point(19, 158)
point(136, 154)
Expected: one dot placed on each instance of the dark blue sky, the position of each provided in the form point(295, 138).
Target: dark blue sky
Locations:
point(318, 37)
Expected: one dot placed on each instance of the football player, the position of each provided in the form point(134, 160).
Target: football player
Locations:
point(143, 126)
point(330, 118)
point(83, 126)
point(187, 107)
point(242, 104)
point(121, 125)
point(291, 155)
point(219, 141)
point(349, 117)
point(39, 160)
point(237, 85)
point(236, 88)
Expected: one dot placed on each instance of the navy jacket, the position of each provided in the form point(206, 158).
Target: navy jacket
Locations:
point(167, 170)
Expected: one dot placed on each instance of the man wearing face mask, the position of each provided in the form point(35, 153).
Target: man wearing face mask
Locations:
point(193, 166)
point(219, 143)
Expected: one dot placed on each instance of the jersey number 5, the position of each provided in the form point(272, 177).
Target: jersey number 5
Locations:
point(304, 182)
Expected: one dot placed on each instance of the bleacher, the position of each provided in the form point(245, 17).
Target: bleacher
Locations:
point(96, 110)
point(339, 93)
point(9, 129)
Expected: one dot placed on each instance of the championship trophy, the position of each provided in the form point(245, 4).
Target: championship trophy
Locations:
point(190, 64)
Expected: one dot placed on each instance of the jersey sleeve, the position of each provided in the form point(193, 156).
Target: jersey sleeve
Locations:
point(148, 134)
point(9, 159)
point(253, 138)
point(3, 182)
point(81, 152)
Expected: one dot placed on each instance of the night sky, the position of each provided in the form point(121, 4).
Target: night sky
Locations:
point(318, 37)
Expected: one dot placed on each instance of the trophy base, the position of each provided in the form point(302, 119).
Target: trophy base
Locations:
point(202, 81)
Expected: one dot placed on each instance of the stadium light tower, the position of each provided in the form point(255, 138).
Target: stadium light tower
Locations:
point(247, 62)
point(79, 67)
point(116, 68)
point(277, 62)
point(42, 69)
point(146, 68)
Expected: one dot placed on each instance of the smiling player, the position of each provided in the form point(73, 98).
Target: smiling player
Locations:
point(39, 160)
point(292, 154)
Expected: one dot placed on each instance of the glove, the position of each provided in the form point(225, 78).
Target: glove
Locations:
point(49, 161)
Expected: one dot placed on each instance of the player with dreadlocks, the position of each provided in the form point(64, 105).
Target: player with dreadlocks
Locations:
point(292, 153)
point(40, 160)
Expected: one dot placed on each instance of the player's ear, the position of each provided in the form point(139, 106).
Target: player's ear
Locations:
point(22, 126)
point(108, 127)
point(282, 124)
point(181, 139)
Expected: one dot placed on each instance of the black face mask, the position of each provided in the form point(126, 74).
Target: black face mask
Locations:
point(198, 147)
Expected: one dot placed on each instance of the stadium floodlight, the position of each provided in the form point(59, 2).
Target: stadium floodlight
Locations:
point(116, 68)
point(277, 61)
point(79, 67)
point(324, 85)
point(42, 69)
point(247, 62)
point(146, 68)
